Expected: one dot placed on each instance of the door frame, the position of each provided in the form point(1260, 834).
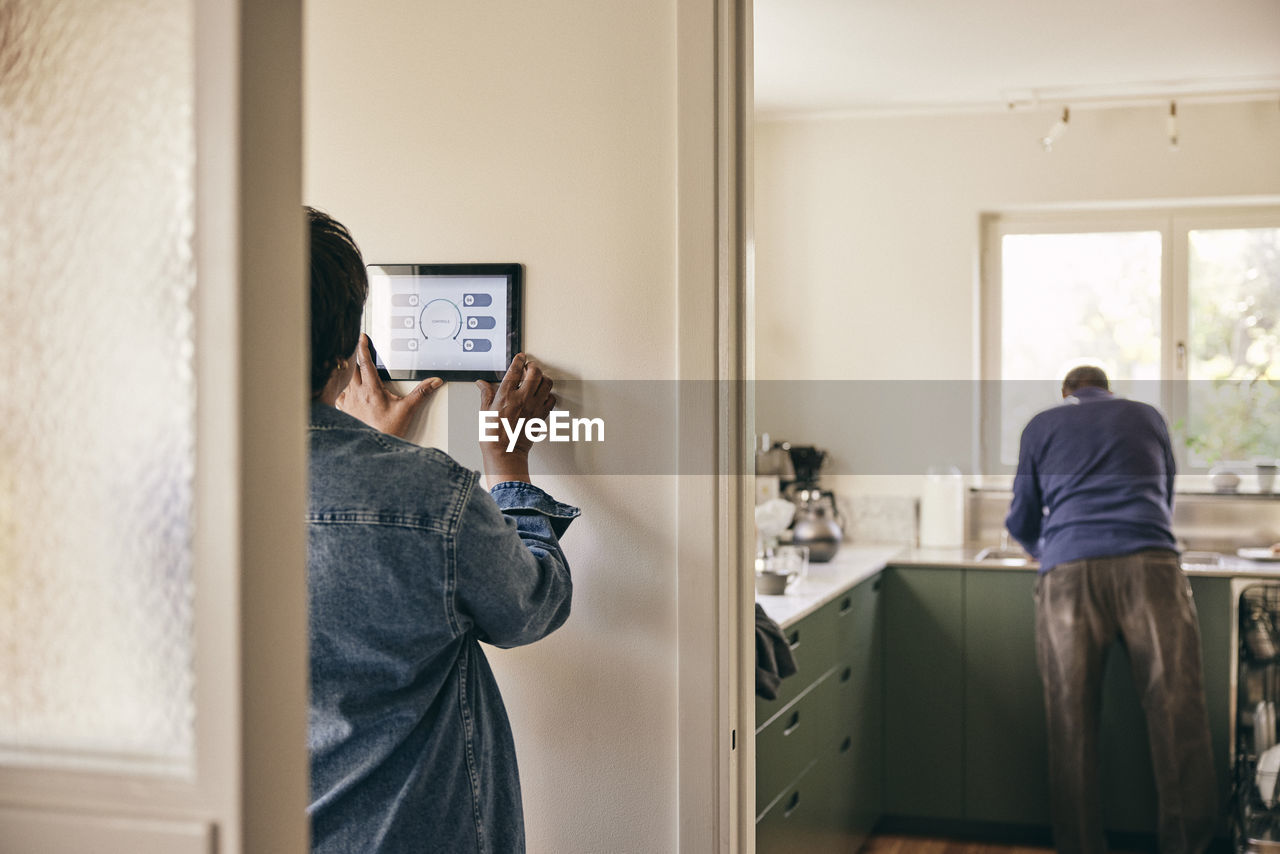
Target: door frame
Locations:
point(250, 611)
point(715, 538)
point(249, 790)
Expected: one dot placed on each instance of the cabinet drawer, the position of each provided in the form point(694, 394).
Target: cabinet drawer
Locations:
point(849, 697)
point(793, 739)
point(813, 643)
point(814, 815)
point(796, 822)
point(857, 613)
point(844, 609)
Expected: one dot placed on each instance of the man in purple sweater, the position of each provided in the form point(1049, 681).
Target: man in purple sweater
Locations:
point(1093, 501)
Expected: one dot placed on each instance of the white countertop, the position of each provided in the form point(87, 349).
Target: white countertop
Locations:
point(824, 581)
point(964, 557)
point(855, 563)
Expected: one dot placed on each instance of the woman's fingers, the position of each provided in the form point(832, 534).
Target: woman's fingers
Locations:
point(367, 371)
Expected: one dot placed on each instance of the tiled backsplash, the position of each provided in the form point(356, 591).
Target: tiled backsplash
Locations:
point(881, 518)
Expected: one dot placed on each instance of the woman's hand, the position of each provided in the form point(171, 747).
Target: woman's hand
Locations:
point(366, 398)
point(525, 392)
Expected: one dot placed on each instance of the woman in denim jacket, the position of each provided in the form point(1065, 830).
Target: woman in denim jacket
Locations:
point(411, 564)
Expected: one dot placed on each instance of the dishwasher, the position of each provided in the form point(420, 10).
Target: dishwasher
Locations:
point(1255, 795)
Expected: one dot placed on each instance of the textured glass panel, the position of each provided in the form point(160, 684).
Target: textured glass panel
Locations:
point(97, 399)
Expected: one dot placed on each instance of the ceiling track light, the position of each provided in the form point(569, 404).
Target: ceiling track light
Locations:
point(1055, 133)
point(1171, 125)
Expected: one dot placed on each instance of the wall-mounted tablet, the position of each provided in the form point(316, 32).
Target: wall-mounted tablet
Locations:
point(454, 321)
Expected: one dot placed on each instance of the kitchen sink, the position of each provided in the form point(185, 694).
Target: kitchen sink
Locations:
point(1003, 557)
point(1201, 559)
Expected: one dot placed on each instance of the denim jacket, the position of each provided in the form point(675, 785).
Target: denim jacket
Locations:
point(409, 566)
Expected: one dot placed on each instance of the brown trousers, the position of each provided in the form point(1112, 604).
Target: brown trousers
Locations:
point(1081, 608)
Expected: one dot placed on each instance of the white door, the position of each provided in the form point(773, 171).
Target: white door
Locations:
point(152, 426)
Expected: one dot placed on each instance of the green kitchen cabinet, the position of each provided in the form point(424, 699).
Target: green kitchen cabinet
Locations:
point(919, 697)
point(819, 759)
point(807, 818)
point(1217, 617)
point(797, 820)
point(1006, 763)
point(788, 728)
point(790, 743)
point(999, 737)
point(813, 644)
point(857, 743)
point(1006, 772)
point(924, 692)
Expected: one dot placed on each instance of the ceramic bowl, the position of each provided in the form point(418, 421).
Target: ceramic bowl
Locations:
point(769, 583)
point(1224, 480)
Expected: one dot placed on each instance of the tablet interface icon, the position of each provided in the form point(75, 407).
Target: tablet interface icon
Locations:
point(441, 319)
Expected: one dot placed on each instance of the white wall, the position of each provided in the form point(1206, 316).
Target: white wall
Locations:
point(542, 133)
point(867, 229)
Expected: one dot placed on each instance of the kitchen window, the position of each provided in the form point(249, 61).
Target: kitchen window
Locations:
point(1181, 307)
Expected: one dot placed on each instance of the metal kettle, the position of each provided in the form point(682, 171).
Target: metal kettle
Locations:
point(817, 525)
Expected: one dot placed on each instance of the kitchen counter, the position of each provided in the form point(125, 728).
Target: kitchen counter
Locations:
point(883, 651)
point(855, 563)
point(824, 581)
point(965, 557)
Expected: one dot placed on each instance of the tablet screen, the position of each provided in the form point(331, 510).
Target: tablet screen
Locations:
point(456, 321)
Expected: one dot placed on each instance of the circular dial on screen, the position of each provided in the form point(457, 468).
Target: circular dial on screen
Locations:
point(440, 319)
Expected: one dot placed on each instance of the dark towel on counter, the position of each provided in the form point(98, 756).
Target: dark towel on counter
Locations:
point(774, 661)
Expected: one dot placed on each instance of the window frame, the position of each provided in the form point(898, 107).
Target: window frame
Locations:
point(1173, 222)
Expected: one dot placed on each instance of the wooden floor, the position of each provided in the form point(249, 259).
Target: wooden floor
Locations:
point(923, 845)
point(888, 844)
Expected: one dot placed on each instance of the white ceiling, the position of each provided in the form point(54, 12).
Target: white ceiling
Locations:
point(875, 55)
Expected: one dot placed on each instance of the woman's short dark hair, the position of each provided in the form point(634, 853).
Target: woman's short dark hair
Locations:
point(339, 286)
